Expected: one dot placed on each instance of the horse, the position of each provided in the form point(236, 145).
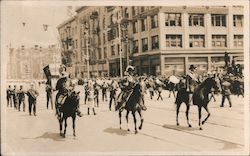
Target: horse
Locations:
point(68, 109)
point(131, 105)
point(200, 98)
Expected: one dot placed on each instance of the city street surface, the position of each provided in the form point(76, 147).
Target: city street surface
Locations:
point(224, 131)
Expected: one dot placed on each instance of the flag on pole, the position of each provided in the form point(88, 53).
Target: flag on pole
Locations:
point(47, 73)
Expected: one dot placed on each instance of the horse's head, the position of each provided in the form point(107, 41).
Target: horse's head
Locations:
point(74, 97)
point(211, 83)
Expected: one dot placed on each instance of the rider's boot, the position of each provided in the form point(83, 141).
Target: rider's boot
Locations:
point(79, 113)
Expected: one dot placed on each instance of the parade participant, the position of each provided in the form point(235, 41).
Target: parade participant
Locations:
point(225, 86)
point(96, 92)
point(191, 81)
point(143, 89)
point(14, 97)
point(48, 90)
point(64, 89)
point(127, 87)
point(9, 95)
point(86, 92)
point(32, 96)
point(21, 98)
point(91, 96)
point(113, 89)
point(159, 88)
point(104, 90)
point(151, 86)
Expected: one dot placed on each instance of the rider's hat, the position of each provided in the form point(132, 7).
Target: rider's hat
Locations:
point(192, 67)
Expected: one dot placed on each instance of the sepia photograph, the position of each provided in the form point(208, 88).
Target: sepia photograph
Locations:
point(124, 77)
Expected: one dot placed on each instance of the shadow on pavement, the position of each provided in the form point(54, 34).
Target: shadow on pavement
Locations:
point(116, 131)
point(49, 135)
point(180, 128)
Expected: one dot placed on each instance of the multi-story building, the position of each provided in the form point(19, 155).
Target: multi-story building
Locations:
point(69, 31)
point(158, 40)
point(28, 63)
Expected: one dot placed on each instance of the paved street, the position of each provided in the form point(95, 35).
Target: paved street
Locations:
point(224, 131)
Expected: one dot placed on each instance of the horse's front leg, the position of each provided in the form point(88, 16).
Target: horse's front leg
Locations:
point(208, 115)
point(199, 112)
point(187, 111)
point(65, 126)
point(140, 113)
point(127, 120)
point(135, 122)
point(177, 112)
point(73, 122)
point(60, 123)
point(120, 118)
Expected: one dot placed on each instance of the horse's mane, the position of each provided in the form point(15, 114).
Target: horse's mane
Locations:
point(206, 83)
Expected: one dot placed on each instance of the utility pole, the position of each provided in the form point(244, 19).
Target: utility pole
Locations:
point(120, 50)
point(87, 48)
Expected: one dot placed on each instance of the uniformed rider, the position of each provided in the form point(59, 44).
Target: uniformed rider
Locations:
point(191, 81)
point(64, 88)
point(127, 86)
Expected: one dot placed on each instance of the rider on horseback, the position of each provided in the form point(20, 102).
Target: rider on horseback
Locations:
point(191, 81)
point(127, 86)
point(64, 89)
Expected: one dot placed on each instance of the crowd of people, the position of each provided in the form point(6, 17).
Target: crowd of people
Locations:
point(120, 89)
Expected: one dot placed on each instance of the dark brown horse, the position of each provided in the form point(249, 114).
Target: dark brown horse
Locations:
point(131, 105)
point(68, 109)
point(200, 98)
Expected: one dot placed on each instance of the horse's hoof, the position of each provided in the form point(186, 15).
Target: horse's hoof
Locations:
point(140, 127)
point(136, 132)
point(74, 135)
point(177, 124)
point(128, 129)
point(202, 122)
point(200, 128)
point(189, 125)
point(120, 127)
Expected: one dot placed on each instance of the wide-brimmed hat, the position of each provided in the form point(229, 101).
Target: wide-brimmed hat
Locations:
point(192, 67)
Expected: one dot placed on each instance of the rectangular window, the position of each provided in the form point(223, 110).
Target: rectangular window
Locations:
point(154, 21)
point(135, 27)
point(99, 53)
point(134, 11)
point(196, 20)
point(238, 20)
point(219, 20)
point(196, 41)
point(144, 24)
point(174, 41)
point(219, 40)
point(238, 40)
point(135, 46)
point(144, 44)
point(104, 38)
point(155, 42)
point(172, 19)
point(118, 49)
point(126, 13)
point(76, 44)
point(142, 9)
point(112, 50)
point(105, 52)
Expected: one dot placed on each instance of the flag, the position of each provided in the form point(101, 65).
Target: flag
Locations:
point(47, 74)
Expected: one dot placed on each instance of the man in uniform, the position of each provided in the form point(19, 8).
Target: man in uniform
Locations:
point(63, 90)
point(127, 86)
point(225, 86)
point(8, 94)
point(32, 96)
point(191, 81)
point(21, 98)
